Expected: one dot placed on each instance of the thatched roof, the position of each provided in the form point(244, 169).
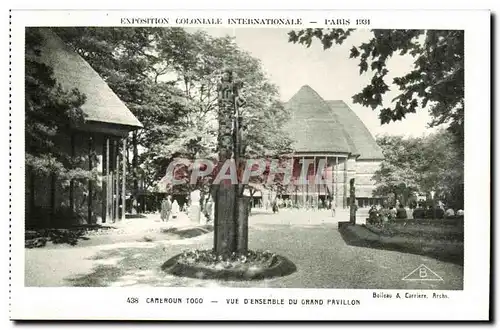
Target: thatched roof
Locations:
point(312, 126)
point(321, 126)
point(72, 71)
point(365, 144)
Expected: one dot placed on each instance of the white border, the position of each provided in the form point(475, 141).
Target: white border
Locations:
point(81, 303)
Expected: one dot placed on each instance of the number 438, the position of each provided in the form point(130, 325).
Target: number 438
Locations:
point(132, 300)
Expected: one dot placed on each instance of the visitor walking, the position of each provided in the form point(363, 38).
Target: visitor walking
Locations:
point(275, 206)
point(175, 209)
point(373, 215)
point(332, 207)
point(166, 208)
point(384, 214)
point(208, 208)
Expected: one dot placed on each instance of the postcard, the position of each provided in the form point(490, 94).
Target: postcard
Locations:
point(250, 165)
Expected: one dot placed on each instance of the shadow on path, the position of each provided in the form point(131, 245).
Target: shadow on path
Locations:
point(452, 254)
point(134, 265)
point(35, 238)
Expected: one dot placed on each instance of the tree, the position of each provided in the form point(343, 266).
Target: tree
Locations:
point(431, 163)
point(436, 80)
point(50, 114)
point(168, 78)
point(398, 173)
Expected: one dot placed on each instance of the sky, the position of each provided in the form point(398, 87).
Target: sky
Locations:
point(329, 72)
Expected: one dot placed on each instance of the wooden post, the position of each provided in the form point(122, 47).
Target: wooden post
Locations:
point(346, 190)
point(326, 176)
point(225, 228)
point(117, 180)
point(336, 181)
point(72, 182)
point(242, 232)
point(314, 187)
point(304, 197)
point(90, 197)
point(109, 190)
point(105, 170)
point(124, 176)
point(352, 200)
point(112, 178)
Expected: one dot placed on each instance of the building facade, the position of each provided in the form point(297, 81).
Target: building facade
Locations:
point(333, 142)
point(99, 144)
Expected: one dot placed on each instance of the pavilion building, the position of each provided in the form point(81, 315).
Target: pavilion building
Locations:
point(329, 132)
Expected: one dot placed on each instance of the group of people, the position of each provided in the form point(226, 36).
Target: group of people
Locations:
point(279, 203)
point(419, 211)
point(172, 209)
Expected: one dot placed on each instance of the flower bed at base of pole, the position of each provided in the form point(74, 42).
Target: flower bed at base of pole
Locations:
point(205, 264)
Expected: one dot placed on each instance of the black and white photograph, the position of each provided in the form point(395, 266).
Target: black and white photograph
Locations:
point(109, 109)
point(258, 153)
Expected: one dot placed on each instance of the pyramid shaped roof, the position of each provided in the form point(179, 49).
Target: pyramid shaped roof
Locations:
point(312, 126)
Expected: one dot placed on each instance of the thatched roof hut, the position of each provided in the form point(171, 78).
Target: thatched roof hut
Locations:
point(102, 105)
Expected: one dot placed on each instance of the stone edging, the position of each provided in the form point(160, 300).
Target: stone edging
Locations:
point(281, 267)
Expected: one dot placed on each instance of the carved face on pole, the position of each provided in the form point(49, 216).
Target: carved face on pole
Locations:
point(227, 75)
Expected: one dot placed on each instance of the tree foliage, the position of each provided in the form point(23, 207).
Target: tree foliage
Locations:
point(436, 81)
point(168, 78)
point(423, 164)
point(51, 112)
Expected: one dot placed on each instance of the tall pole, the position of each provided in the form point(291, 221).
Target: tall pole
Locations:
point(104, 181)
point(346, 190)
point(225, 193)
point(90, 196)
point(117, 179)
point(109, 191)
point(124, 175)
point(242, 209)
point(336, 180)
point(352, 202)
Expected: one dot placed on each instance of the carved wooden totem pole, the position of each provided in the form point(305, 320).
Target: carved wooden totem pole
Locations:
point(231, 208)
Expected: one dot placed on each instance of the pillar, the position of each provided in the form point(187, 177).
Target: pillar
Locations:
point(89, 196)
point(109, 190)
point(326, 176)
point(346, 187)
point(104, 179)
point(116, 194)
point(314, 187)
point(72, 182)
point(336, 181)
point(303, 190)
point(124, 176)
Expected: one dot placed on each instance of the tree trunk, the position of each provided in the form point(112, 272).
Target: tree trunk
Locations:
point(52, 199)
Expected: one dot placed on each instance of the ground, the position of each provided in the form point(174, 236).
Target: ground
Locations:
point(308, 238)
